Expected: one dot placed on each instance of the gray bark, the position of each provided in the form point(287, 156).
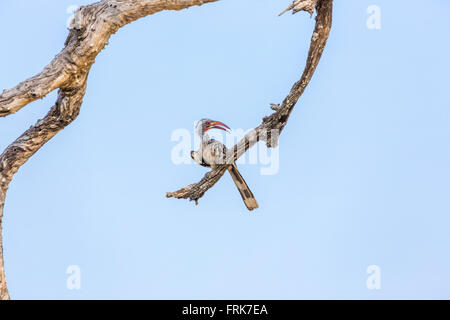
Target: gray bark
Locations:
point(89, 33)
point(68, 71)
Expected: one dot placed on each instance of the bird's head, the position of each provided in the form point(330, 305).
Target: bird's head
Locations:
point(204, 125)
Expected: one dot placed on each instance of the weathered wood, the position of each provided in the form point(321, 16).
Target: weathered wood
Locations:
point(301, 5)
point(68, 71)
point(89, 33)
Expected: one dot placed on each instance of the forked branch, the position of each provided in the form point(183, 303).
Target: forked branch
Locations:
point(89, 33)
point(272, 125)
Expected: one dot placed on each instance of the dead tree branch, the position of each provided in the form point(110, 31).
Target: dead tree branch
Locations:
point(89, 33)
point(272, 125)
point(301, 5)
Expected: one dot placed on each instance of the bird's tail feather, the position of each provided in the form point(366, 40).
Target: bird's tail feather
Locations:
point(243, 188)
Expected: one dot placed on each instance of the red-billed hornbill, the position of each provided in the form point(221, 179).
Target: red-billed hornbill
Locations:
point(213, 152)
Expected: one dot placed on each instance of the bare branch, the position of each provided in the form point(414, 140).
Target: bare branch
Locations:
point(301, 5)
point(37, 87)
point(276, 121)
point(89, 34)
point(61, 114)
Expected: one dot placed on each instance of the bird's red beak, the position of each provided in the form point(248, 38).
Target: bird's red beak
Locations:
point(216, 125)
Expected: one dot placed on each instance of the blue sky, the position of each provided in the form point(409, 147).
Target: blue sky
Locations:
point(364, 174)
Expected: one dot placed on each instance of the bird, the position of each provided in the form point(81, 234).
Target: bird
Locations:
point(213, 152)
